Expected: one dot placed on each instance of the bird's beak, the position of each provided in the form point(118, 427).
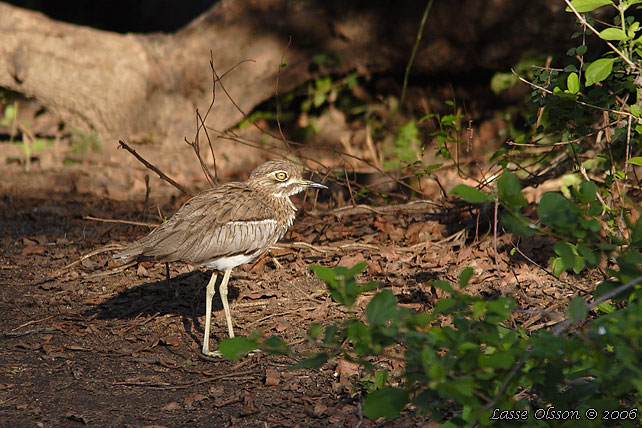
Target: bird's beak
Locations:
point(308, 183)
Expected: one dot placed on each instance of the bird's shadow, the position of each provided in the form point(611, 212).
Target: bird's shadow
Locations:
point(184, 296)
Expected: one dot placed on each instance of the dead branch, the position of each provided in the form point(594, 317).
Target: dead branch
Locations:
point(62, 270)
point(420, 206)
point(132, 223)
point(160, 173)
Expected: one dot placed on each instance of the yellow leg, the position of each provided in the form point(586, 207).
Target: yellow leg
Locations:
point(226, 306)
point(209, 295)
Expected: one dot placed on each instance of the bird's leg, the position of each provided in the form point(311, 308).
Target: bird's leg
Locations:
point(226, 306)
point(209, 294)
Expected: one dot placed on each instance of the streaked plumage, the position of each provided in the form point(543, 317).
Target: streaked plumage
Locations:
point(227, 226)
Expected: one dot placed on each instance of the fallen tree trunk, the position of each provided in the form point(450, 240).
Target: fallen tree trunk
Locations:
point(117, 85)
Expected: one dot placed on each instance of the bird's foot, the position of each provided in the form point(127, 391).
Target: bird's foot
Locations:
point(215, 354)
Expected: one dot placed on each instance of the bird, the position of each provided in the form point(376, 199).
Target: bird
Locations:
point(227, 226)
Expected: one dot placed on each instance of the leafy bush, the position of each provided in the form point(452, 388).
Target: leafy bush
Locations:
point(463, 360)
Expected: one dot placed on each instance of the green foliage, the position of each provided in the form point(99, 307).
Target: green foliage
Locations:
point(29, 145)
point(387, 402)
point(466, 352)
point(235, 348)
point(343, 285)
point(406, 142)
point(447, 134)
point(82, 142)
point(10, 119)
point(470, 194)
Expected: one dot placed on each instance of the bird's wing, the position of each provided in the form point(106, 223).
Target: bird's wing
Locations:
point(227, 220)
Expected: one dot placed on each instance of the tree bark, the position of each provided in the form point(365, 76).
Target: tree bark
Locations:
point(118, 85)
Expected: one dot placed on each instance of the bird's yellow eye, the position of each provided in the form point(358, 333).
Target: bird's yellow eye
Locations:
point(281, 175)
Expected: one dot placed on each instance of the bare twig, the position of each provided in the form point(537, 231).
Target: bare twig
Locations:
point(62, 270)
point(419, 205)
point(160, 173)
point(276, 93)
point(147, 191)
point(132, 223)
point(414, 51)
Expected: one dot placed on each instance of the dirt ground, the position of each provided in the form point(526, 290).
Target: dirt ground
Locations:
point(88, 343)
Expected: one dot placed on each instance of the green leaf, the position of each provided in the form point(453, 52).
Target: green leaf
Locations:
point(360, 335)
point(613, 34)
point(275, 345)
point(387, 402)
point(588, 5)
point(565, 251)
point(606, 307)
point(636, 235)
point(636, 161)
point(555, 210)
point(502, 307)
point(587, 192)
point(382, 308)
point(479, 309)
point(314, 331)
point(510, 191)
point(470, 194)
point(380, 378)
point(465, 276)
point(311, 363)
point(573, 83)
point(593, 258)
point(443, 285)
point(356, 269)
point(325, 274)
point(372, 285)
point(497, 360)
point(599, 70)
point(577, 310)
point(235, 348)
point(330, 333)
point(518, 224)
point(458, 389)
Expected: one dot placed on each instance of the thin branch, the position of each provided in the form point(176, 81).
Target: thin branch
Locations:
point(132, 223)
point(414, 51)
point(160, 173)
point(276, 93)
point(200, 124)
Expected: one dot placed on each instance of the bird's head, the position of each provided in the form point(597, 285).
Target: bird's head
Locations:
point(281, 178)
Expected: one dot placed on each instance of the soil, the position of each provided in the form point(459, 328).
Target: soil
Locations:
point(86, 342)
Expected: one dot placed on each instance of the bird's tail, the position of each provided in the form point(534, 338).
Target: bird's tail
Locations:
point(133, 251)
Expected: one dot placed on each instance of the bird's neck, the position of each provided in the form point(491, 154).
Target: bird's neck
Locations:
point(283, 208)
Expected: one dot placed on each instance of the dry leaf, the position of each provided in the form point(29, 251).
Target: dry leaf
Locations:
point(33, 249)
point(272, 377)
point(142, 271)
point(193, 398)
point(171, 340)
point(171, 406)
